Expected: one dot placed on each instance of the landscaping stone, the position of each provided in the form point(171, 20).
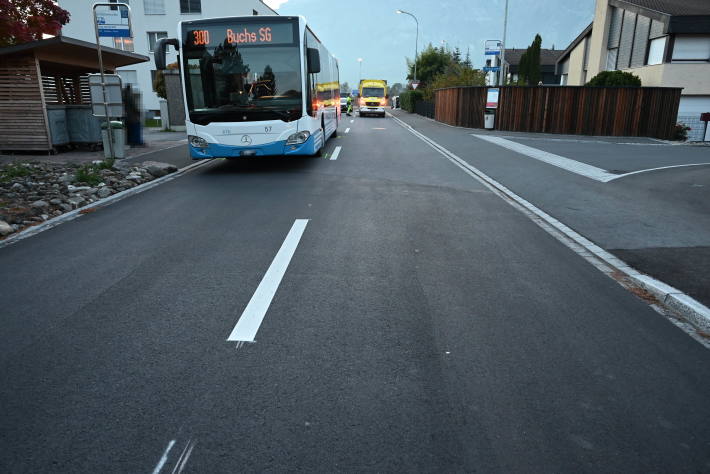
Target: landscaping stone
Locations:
point(5, 228)
point(50, 189)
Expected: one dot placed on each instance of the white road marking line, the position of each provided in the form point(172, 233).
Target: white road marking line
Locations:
point(335, 154)
point(573, 166)
point(347, 130)
point(253, 315)
point(164, 457)
point(694, 311)
point(184, 456)
point(656, 169)
point(352, 121)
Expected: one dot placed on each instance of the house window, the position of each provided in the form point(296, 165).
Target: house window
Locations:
point(691, 49)
point(190, 6)
point(611, 57)
point(124, 44)
point(153, 37)
point(656, 49)
point(154, 7)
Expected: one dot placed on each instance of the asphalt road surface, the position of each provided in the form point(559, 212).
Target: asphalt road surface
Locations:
point(418, 324)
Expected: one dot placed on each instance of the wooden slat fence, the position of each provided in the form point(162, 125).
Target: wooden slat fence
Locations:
point(603, 111)
point(22, 114)
point(461, 106)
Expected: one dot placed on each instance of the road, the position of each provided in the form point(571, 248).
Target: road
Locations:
point(419, 323)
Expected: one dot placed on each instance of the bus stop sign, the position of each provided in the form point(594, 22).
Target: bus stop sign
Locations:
point(114, 23)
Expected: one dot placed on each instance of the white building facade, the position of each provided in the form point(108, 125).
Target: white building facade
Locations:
point(152, 20)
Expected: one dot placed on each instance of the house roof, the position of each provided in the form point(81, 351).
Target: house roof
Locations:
point(547, 56)
point(68, 48)
point(673, 7)
point(575, 42)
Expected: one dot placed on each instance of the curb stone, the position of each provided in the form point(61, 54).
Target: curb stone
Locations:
point(71, 215)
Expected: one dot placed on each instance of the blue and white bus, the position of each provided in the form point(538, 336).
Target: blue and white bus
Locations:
point(257, 85)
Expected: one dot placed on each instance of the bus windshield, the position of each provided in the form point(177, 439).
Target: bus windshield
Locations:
point(232, 76)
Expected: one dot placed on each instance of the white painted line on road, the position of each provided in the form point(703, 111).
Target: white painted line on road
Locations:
point(252, 317)
point(164, 457)
point(692, 310)
point(656, 169)
point(71, 215)
point(576, 167)
point(184, 456)
point(336, 152)
point(347, 130)
point(352, 121)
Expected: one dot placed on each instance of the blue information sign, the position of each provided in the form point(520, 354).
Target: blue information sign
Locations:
point(114, 23)
point(491, 68)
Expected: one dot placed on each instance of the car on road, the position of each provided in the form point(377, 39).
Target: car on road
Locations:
point(343, 103)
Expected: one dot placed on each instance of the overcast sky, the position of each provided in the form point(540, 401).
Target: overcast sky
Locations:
point(371, 29)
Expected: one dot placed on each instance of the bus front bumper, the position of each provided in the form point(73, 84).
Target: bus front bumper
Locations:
point(279, 148)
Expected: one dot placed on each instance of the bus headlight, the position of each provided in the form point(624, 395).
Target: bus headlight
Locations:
point(298, 138)
point(197, 142)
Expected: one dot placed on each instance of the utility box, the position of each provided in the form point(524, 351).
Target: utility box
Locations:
point(119, 139)
point(489, 120)
point(57, 118)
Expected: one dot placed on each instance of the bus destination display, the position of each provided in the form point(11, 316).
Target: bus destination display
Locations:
point(245, 34)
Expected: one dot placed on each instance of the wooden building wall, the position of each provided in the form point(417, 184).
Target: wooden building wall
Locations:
point(23, 116)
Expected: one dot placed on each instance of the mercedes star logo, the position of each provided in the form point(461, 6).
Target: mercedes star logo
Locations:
point(246, 139)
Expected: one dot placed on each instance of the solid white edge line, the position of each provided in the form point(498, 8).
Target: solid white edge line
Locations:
point(249, 322)
point(335, 154)
point(562, 162)
point(347, 130)
point(695, 312)
point(163, 458)
point(71, 215)
point(657, 169)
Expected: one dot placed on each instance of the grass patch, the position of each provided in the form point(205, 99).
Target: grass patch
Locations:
point(153, 123)
point(89, 173)
point(14, 171)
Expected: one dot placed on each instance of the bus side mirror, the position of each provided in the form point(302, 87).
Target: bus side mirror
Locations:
point(313, 61)
point(160, 48)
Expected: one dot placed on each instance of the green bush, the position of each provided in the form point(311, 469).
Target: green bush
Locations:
point(410, 98)
point(614, 78)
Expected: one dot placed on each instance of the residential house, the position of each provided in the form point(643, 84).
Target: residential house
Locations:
point(152, 20)
point(548, 64)
point(664, 42)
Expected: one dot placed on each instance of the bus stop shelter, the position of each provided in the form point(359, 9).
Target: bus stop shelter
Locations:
point(44, 92)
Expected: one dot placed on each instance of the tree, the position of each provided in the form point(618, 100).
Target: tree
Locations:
point(22, 21)
point(615, 78)
point(430, 62)
point(345, 88)
point(456, 56)
point(467, 62)
point(396, 89)
point(529, 71)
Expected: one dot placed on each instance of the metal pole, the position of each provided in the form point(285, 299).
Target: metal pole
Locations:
point(109, 131)
point(416, 43)
point(501, 73)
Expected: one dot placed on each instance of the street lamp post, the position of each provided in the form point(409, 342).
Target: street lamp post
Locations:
point(502, 74)
point(360, 76)
point(416, 42)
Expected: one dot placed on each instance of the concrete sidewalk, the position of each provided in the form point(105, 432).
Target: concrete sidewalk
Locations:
point(155, 140)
